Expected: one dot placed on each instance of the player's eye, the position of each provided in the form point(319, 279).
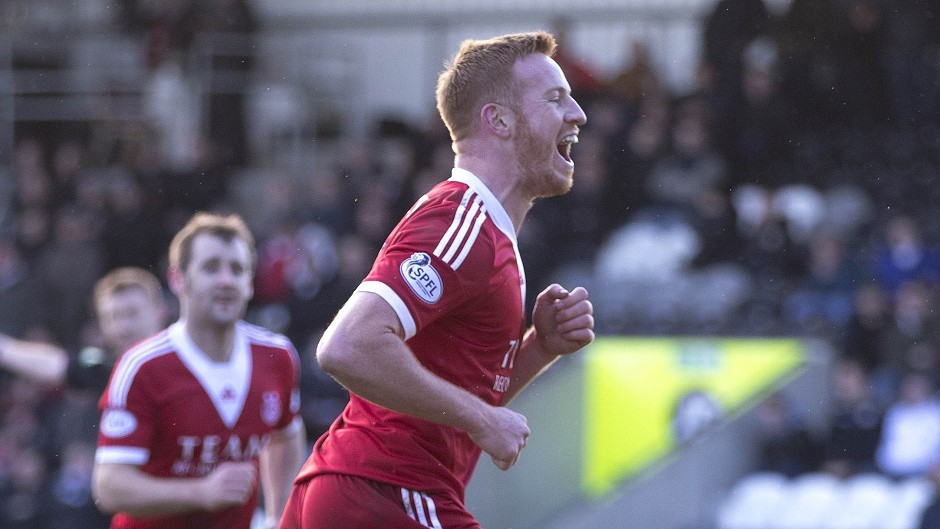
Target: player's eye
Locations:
point(211, 266)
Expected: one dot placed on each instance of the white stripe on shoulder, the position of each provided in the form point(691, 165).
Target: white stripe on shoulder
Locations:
point(458, 219)
point(468, 220)
point(265, 336)
point(470, 240)
point(455, 247)
point(131, 362)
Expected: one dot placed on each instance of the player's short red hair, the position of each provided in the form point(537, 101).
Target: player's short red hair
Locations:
point(481, 73)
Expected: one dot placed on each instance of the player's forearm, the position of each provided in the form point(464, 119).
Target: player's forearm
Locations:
point(37, 361)
point(280, 462)
point(379, 367)
point(124, 488)
point(531, 361)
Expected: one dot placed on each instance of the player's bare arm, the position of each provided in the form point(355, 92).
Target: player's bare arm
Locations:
point(562, 323)
point(125, 488)
point(42, 362)
point(280, 461)
point(364, 349)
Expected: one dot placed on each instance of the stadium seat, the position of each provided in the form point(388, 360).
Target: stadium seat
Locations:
point(866, 500)
point(754, 501)
point(811, 501)
point(911, 497)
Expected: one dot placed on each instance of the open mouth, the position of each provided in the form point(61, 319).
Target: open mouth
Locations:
point(564, 146)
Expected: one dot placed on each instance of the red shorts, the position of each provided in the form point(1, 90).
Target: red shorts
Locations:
point(339, 501)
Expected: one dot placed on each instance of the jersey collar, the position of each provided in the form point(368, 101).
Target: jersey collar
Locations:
point(226, 383)
point(493, 206)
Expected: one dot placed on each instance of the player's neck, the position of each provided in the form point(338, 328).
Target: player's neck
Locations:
point(215, 342)
point(501, 181)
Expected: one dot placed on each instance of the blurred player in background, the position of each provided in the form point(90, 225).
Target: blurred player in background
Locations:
point(195, 415)
point(129, 306)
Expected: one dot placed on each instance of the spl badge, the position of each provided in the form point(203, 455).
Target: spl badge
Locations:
point(270, 407)
point(422, 277)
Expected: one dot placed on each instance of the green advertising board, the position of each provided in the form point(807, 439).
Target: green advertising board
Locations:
point(644, 397)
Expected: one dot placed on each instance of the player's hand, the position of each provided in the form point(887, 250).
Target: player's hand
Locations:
point(229, 484)
point(564, 321)
point(503, 436)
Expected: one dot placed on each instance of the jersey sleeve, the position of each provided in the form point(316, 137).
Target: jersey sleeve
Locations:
point(126, 428)
point(290, 416)
point(278, 366)
point(437, 258)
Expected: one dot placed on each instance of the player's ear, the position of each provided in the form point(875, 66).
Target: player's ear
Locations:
point(498, 119)
point(174, 277)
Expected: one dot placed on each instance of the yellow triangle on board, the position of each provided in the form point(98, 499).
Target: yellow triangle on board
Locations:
point(644, 396)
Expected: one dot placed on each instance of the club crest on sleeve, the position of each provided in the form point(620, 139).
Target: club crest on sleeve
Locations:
point(118, 422)
point(421, 276)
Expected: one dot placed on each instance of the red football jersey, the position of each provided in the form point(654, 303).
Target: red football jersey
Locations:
point(172, 411)
point(451, 271)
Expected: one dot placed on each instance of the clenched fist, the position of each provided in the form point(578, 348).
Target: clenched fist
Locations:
point(229, 484)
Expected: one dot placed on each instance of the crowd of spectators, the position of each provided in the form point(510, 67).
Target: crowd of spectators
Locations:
point(792, 191)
